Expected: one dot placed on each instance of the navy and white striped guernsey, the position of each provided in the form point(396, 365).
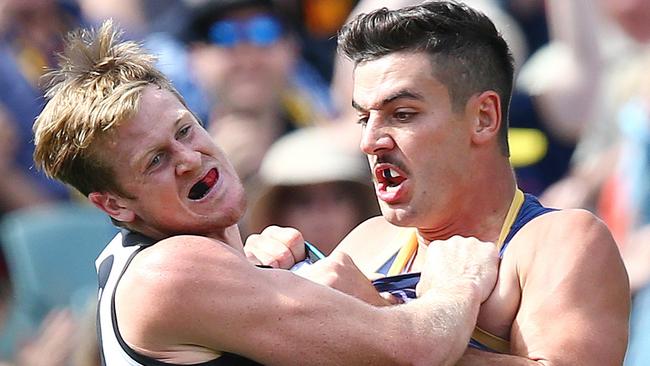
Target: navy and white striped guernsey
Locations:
point(111, 265)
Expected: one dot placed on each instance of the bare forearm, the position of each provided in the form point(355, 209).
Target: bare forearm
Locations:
point(324, 326)
point(443, 319)
point(432, 330)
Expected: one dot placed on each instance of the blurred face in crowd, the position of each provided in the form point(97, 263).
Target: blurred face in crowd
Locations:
point(632, 15)
point(323, 212)
point(176, 179)
point(247, 62)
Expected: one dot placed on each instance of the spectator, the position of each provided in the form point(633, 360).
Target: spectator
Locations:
point(319, 22)
point(246, 58)
point(143, 20)
point(30, 35)
point(589, 47)
point(311, 182)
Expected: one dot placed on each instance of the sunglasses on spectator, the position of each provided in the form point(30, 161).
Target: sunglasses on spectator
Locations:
point(262, 30)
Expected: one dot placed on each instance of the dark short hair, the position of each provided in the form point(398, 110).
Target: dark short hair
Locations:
point(467, 52)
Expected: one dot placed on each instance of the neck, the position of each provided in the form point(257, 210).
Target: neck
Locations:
point(230, 236)
point(476, 213)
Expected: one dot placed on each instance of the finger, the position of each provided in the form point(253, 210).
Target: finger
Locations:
point(253, 249)
point(291, 238)
point(266, 250)
point(392, 300)
point(420, 288)
point(341, 259)
point(252, 258)
point(266, 259)
point(375, 276)
point(282, 255)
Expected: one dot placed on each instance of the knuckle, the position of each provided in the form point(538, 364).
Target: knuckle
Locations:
point(273, 263)
point(269, 230)
point(252, 239)
point(344, 257)
point(334, 266)
point(340, 259)
point(294, 235)
point(284, 257)
point(288, 234)
point(264, 259)
point(329, 280)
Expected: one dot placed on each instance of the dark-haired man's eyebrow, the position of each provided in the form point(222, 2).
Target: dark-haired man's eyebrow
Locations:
point(401, 94)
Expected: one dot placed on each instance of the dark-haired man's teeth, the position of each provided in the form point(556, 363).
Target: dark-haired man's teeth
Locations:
point(390, 173)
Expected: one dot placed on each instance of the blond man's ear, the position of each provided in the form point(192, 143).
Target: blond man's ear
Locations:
point(113, 205)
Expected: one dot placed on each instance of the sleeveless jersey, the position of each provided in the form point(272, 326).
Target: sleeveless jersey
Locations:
point(111, 265)
point(523, 209)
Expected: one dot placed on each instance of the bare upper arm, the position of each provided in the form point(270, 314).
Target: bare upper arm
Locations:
point(191, 290)
point(164, 282)
point(575, 295)
point(195, 291)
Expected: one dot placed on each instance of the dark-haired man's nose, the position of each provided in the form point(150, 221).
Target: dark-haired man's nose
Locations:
point(375, 137)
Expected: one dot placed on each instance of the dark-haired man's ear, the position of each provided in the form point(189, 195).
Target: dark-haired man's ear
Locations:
point(487, 117)
point(112, 205)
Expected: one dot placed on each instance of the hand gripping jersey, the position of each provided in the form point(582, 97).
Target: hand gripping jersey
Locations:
point(111, 265)
point(523, 209)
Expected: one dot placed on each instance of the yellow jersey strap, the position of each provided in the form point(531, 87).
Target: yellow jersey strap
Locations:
point(513, 211)
point(490, 341)
point(486, 339)
point(406, 253)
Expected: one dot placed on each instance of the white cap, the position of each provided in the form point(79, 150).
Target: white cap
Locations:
point(311, 155)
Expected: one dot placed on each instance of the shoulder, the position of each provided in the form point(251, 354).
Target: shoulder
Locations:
point(179, 252)
point(567, 239)
point(180, 275)
point(554, 228)
point(182, 262)
point(371, 243)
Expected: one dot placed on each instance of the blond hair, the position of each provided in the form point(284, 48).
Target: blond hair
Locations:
point(96, 87)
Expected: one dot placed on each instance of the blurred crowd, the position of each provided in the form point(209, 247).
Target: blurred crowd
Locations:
point(265, 79)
